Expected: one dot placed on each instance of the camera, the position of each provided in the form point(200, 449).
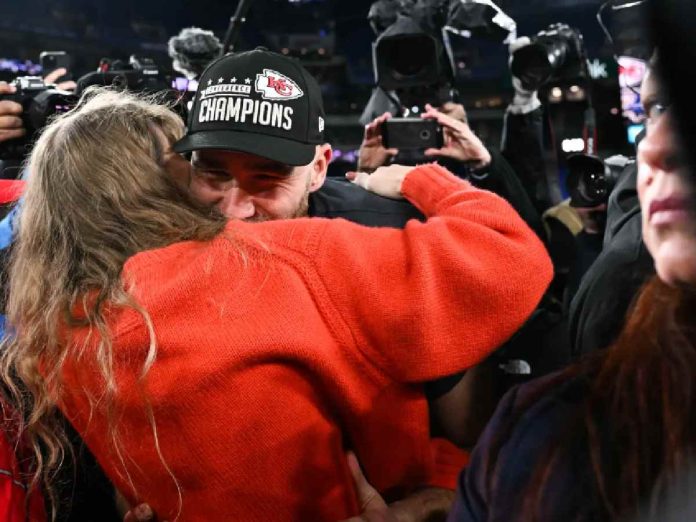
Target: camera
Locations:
point(556, 53)
point(411, 134)
point(591, 180)
point(140, 74)
point(39, 103)
point(406, 56)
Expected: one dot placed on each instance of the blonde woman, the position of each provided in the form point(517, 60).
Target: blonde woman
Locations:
point(216, 369)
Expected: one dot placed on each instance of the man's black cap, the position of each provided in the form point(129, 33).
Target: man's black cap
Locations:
point(258, 102)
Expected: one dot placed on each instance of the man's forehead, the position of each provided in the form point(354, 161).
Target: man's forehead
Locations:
point(220, 158)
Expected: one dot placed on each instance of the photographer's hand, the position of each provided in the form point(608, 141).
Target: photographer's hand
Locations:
point(385, 181)
point(460, 141)
point(428, 504)
point(54, 75)
point(525, 100)
point(372, 152)
point(10, 112)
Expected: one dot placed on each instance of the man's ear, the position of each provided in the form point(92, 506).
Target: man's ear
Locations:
point(320, 166)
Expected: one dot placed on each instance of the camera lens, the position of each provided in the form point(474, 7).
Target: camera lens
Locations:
point(587, 181)
point(410, 56)
point(425, 135)
point(535, 64)
point(593, 188)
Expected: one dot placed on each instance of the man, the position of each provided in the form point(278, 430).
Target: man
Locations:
point(610, 285)
point(256, 134)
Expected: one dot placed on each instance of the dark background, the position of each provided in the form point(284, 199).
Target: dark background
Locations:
point(332, 37)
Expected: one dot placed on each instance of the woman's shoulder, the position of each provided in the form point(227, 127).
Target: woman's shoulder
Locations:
point(556, 390)
point(535, 411)
point(237, 239)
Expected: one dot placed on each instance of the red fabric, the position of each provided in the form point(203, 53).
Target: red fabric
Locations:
point(13, 486)
point(449, 461)
point(314, 338)
point(11, 190)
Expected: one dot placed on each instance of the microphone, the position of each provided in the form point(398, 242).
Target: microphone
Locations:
point(192, 50)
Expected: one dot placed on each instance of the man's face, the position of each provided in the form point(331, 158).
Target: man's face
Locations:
point(252, 188)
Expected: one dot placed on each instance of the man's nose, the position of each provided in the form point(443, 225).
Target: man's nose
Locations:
point(237, 204)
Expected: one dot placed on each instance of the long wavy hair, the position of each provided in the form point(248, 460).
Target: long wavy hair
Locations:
point(97, 194)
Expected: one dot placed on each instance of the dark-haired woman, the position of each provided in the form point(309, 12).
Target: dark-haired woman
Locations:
point(612, 437)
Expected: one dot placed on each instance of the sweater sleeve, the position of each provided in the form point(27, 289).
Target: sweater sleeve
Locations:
point(436, 297)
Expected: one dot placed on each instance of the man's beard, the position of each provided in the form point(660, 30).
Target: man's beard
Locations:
point(302, 210)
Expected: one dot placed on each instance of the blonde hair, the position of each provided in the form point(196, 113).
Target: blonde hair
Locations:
point(97, 194)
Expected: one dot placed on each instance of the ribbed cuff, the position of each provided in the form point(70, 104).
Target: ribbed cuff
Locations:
point(449, 461)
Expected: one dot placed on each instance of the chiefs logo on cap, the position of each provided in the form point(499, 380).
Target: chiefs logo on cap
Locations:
point(275, 86)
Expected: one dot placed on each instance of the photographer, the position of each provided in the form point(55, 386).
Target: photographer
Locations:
point(11, 126)
point(463, 152)
point(609, 286)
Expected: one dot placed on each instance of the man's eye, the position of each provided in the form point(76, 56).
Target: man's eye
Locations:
point(211, 173)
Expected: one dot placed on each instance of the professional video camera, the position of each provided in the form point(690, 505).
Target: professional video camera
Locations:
point(591, 180)
point(39, 102)
point(556, 53)
point(412, 56)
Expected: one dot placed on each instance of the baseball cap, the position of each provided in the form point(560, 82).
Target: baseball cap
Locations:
point(258, 102)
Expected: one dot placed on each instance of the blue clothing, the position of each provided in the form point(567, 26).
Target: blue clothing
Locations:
point(527, 421)
point(7, 226)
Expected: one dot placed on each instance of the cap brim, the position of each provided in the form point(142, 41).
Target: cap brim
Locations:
point(277, 149)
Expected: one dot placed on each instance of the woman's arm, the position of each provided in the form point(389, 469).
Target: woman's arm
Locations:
point(438, 296)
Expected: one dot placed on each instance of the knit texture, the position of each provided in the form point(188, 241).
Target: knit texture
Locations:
point(281, 344)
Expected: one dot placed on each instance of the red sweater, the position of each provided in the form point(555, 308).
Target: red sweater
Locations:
point(315, 338)
point(17, 502)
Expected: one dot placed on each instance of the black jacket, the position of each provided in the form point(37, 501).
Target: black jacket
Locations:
point(598, 310)
point(339, 198)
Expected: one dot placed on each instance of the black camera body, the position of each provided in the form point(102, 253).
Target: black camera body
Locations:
point(411, 134)
point(39, 103)
point(406, 56)
point(140, 74)
point(555, 54)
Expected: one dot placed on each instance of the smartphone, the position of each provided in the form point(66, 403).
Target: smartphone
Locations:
point(52, 60)
point(411, 134)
